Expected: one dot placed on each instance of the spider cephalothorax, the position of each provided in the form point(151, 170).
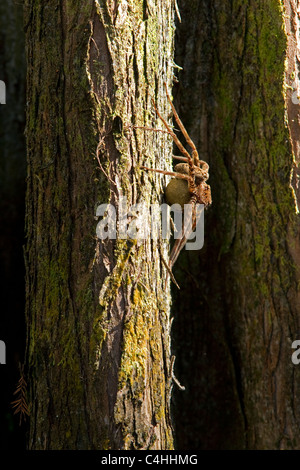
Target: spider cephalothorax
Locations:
point(189, 183)
point(178, 191)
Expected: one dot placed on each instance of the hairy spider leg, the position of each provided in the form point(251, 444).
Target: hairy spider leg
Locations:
point(170, 173)
point(150, 129)
point(177, 157)
point(191, 160)
point(192, 186)
point(182, 159)
point(185, 233)
point(183, 130)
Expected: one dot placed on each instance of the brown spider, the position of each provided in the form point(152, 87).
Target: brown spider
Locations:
point(189, 183)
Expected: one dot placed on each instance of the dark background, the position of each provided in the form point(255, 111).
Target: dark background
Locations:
point(12, 206)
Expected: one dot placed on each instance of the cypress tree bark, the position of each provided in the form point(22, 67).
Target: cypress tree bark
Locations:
point(238, 311)
point(97, 311)
point(98, 315)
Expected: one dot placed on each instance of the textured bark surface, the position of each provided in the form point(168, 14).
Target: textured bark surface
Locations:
point(98, 315)
point(238, 311)
point(292, 27)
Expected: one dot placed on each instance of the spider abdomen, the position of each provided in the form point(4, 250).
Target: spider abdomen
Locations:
point(177, 192)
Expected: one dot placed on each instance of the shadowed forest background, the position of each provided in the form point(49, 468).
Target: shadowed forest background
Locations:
point(12, 215)
point(238, 308)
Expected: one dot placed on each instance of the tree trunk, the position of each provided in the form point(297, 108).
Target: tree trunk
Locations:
point(238, 310)
point(98, 313)
point(97, 310)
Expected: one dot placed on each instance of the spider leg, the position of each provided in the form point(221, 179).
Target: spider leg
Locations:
point(177, 157)
point(187, 157)
point(169, 272)
point(184, 234)
point(183, 130)
point(171, 173)
point(151, 129)
point(177, 142)
point(182, 159)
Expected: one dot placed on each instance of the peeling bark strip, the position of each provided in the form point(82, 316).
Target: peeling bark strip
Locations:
point(292, 26)
point(98, 316)
point(242, 294)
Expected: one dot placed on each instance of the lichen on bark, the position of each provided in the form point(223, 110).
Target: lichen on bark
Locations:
point(97, 310)
point(246, 276)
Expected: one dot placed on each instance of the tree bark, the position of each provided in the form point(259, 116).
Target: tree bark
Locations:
point(98, 354)
point(238, 310)
point(97, 311)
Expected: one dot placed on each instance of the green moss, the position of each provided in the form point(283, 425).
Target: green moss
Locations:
point(112, 282)
point(261, 137)
point(69, 330)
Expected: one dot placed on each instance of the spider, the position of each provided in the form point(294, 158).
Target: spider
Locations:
point(189, 183)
